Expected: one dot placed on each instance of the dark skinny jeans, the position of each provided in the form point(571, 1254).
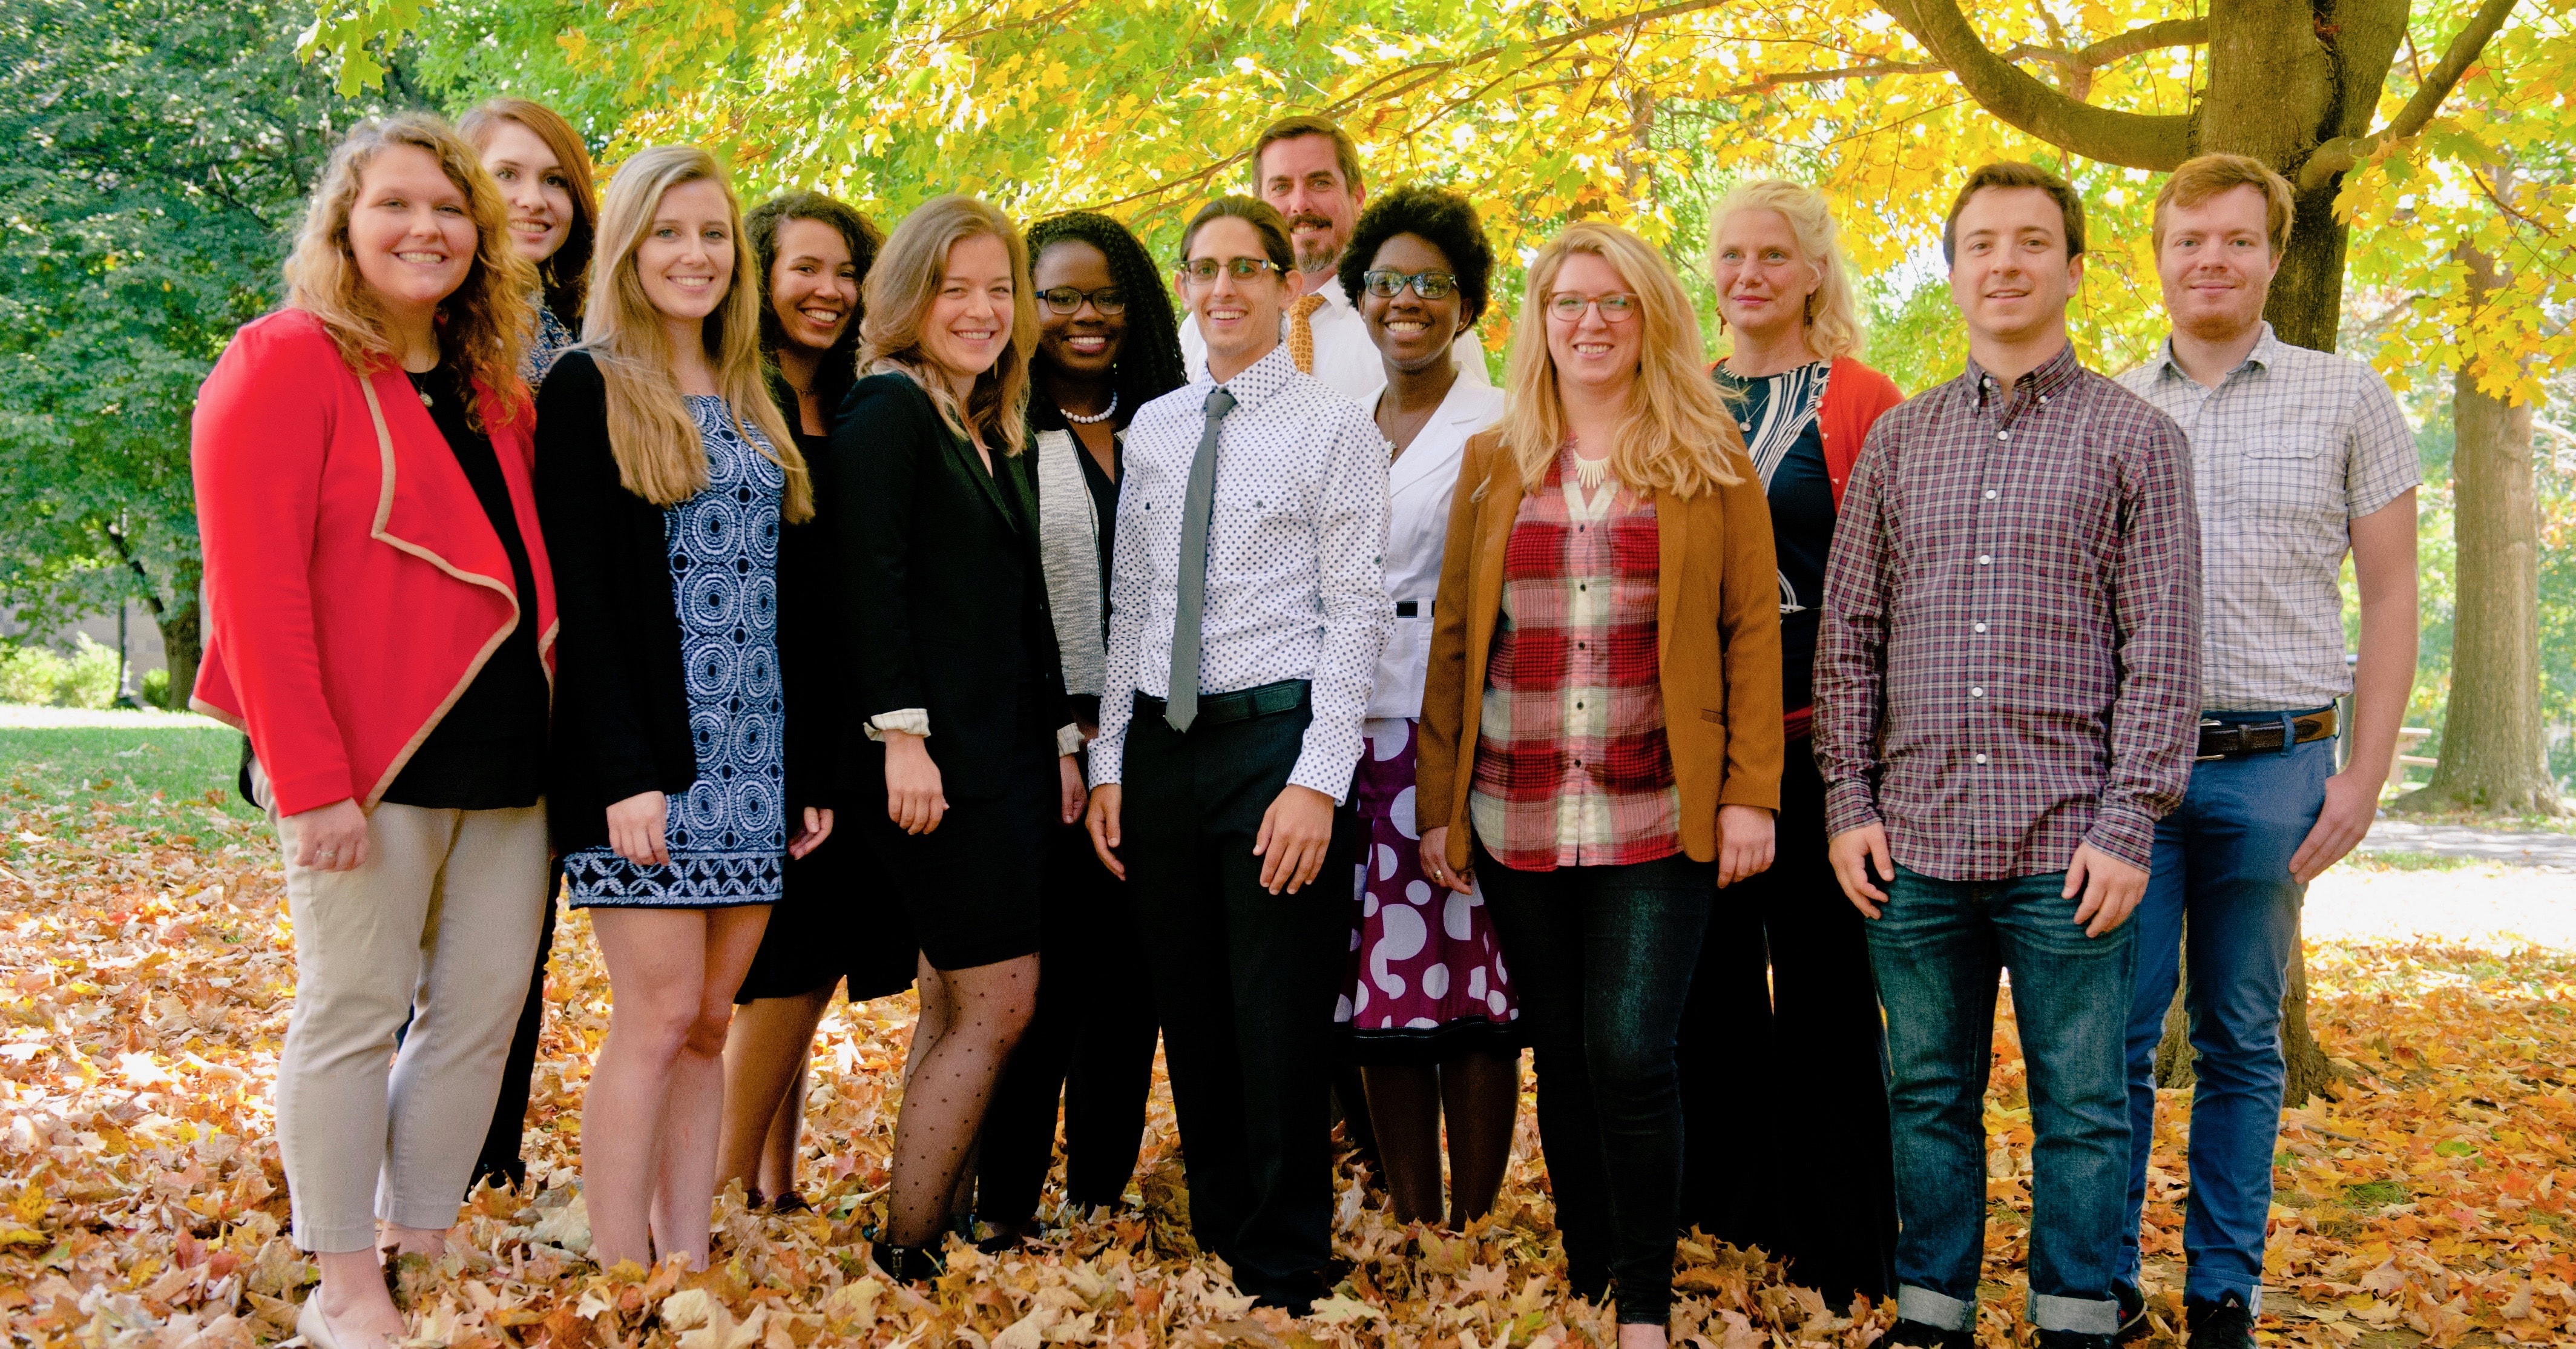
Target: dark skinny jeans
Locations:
point(1603, 957)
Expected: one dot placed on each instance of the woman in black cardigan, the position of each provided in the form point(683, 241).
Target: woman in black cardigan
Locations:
point(663, 475)
point(959, 695)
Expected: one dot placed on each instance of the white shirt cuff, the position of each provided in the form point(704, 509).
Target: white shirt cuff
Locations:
point(1068, 739)
point(909, 720)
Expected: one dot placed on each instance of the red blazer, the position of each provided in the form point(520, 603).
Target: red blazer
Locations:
point(354, 586)
point(1855, 395)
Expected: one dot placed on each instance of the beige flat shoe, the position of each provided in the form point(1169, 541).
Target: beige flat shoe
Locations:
point(313, 1325)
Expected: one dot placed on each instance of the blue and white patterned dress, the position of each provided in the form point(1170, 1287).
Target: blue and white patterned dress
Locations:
point(550, 341)
point(728, 833)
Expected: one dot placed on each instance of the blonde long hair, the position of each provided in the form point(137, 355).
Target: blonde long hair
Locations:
point(650, 433)
point(1675, 433)
point(1833, 315)
point(902, 286)
point(483, 326)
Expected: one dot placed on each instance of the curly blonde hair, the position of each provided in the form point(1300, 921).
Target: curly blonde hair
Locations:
point(1677, 434)
point(1832, 312)
point(483, 325)
point(897, 297)
point(650, 432)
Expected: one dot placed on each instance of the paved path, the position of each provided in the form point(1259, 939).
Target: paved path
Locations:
point(2556, 852)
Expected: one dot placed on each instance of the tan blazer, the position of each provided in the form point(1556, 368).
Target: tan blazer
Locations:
point(1717, 640)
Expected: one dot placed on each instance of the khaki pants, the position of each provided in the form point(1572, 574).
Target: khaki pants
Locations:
point(440, 925)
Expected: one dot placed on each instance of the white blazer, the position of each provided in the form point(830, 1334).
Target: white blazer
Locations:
point(1419, 487)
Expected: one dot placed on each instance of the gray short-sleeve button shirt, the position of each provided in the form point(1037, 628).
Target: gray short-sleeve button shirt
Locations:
point(2288, 450)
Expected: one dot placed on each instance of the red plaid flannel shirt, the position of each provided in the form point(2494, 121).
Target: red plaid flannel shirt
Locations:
point(1572, 767)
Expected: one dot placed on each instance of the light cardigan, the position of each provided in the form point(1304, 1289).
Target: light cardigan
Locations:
point(354, 586)
point(1069, 550)
point(1717, 644)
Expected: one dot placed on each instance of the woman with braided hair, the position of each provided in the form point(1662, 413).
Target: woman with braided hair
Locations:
point(1107, 345)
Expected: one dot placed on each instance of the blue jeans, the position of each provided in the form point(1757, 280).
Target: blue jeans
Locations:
point(1937, 947)
point(2223, 862)
point(1602, 957)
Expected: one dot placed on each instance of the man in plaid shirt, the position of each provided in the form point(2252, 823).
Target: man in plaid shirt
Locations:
point(2300, 457)
point(2006, 690)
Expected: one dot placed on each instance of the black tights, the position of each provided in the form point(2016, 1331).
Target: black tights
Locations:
point(1479, 1093)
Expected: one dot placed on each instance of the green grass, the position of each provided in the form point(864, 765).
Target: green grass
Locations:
point(138, 773)
point(2400, 860)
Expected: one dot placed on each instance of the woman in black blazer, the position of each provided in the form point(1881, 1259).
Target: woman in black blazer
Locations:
point(960, 698)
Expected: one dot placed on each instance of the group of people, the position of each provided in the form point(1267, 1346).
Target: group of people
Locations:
point(820, 606)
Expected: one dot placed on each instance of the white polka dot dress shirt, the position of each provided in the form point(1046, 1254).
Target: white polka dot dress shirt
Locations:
point(2290, 448)
point(1296, 584)
point(1345, 360)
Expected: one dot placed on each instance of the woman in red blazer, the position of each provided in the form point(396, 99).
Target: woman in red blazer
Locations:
point(1783, 977)
point(380, 616)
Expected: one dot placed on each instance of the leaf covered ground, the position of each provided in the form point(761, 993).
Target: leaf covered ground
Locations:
point(145, 979)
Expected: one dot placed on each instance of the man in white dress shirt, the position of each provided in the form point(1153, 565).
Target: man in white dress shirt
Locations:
point(1309, 171)
point(1248, 609)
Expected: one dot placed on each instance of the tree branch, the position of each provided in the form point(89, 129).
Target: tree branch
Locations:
point(1408, 79)
point(2153, 37)
point(2343, 152)
point(2134, 140)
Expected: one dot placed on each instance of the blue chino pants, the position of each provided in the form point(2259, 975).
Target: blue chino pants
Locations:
point(2223, 861)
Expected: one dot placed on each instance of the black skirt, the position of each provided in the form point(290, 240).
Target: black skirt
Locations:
point(836, 920)
point(971, 886)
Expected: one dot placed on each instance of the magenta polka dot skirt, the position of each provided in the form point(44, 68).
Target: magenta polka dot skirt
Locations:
point(1426, 977)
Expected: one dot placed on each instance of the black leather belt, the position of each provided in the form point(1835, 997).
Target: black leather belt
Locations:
point(2219, 739)
point(1216, 709)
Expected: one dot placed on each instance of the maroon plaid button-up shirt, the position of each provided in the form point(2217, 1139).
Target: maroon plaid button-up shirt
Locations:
point(2010, 663)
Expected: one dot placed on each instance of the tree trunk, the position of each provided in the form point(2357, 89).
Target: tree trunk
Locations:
point(182, 647)
point(2306, 303)
point(2494, 754)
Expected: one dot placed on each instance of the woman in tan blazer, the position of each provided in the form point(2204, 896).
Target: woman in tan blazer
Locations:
point(1600, 738)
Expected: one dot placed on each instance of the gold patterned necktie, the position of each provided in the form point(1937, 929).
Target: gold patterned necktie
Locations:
point(1301, 332)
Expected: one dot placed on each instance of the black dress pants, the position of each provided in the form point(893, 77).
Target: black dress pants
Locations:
point(1784, 1009)
point(1244, 981)
point(1091, 1042)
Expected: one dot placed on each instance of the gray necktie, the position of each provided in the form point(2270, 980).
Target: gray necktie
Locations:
point(1182, 707)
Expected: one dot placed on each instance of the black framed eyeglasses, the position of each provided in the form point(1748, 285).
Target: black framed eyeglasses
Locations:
point(1388, 283)
point(1204, 270)
point(1067, 300)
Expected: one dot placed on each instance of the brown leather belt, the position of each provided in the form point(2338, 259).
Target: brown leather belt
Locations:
point(2219, 739)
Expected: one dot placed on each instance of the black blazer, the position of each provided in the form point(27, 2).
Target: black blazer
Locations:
point(621, 721)
point(940, 572)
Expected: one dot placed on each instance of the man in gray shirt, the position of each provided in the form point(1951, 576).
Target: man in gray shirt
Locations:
point(2299, 456)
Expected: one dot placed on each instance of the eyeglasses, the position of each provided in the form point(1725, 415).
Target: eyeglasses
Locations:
point(1387, 284)
point(1204, 270)
point(1616, 307)
point(1067, 300)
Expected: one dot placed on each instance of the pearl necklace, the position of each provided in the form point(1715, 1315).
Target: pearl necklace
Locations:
point(1096, 418)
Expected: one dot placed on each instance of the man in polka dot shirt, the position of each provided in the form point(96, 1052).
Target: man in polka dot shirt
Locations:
point(1248, 609)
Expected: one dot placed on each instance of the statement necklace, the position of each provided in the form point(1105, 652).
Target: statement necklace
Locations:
point(1096, 418)
point(1589, 472)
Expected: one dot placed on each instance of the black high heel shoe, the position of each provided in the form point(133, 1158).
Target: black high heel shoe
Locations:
point(910, 1265)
